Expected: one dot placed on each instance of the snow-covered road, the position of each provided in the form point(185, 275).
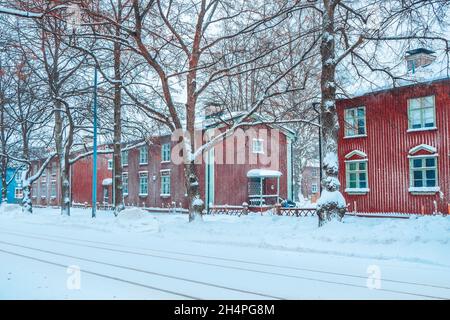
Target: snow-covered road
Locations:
point(40, 261)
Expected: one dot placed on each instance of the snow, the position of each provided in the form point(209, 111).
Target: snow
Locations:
point(197, 202)
point(331, 197)
point(272, 256)
point(423, 147)
point(107, 182)
point(358, 153)
point(263, 173)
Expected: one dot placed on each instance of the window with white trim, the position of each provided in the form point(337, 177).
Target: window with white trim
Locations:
point(165, 152)
point(356, 174)
point(421, 113)
point(53, 169)
point(143, 155)
point(124, 158)
point(258, 146)
point(165, 183)
point(423, 172)
point(53, 189)
point(18, 193)
point(125, 183)
point(143, 183)
point(18, 176)
point(355, 121)
point(43, 188)
point(314, 188)
point(110, 164)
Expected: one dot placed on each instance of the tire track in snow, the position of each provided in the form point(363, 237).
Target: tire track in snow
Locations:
point(143, 271)
point(251, 270)
point(46, 237)
point(101, 275)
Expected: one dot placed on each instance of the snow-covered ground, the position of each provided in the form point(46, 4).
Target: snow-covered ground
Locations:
point(144, 255)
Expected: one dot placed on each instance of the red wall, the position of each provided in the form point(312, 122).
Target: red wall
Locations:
point(231, 182)
point(387, 145)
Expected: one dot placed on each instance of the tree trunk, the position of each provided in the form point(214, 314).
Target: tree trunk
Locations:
point(331, 202)
point(65, 190)
point(4, 189)
point(118, 192)
point(192, 187)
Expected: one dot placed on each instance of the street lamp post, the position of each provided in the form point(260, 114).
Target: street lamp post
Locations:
point(94, 154)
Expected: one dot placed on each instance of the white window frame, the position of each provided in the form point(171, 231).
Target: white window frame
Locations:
point(124, 156)
point(165, 182)
point(143, 174)
point(143, 153)
point(348, 129)
point(18, 176)
point(421, 109)
point(424, 189)
point(53, 184)
point(44, 188)
point(18, 190)
point(125, 178)
point(165, 153)
point(314, 188)
point(110, 164)
point(358, 189)
point(258, 146)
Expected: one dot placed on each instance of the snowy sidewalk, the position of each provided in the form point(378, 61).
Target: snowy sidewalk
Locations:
point(157, 256)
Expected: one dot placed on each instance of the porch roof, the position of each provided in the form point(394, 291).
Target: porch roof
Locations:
point(263, 173)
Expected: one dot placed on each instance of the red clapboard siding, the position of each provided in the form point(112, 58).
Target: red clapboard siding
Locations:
point(387, 145)
point(231, 182)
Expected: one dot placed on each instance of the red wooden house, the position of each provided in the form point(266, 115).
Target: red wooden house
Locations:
point(394, 149)
point(253, 166)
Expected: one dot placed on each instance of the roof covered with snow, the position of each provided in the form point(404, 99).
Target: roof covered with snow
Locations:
point(263, 173)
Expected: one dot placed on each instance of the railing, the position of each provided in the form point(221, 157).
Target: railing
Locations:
point(229, 210)
point(166, 209)
point(295, 212)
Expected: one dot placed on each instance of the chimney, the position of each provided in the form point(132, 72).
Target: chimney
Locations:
point(213, 110)
point(419, 57)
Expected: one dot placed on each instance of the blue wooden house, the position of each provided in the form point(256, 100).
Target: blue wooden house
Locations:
point(14, 192)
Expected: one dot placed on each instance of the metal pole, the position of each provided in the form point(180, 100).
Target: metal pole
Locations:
point(320, 153)
point(94, 155)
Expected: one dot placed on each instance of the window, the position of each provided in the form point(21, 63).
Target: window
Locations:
point(34, 190)
point(165, 152)
point(124, 158)
point(53, 189)
point(18, 176)
point(423, 172)
point(356, 175)
point(125, 183)
point(314, 188)
point(43, 187)
point(53, 169)
point(143, 183)
point(258, 146)
point(421, 113)
point(165, 183)
point(143, 155)
point(18, 193)
point(110, 164)
point(355, 121)
point(314, 172)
